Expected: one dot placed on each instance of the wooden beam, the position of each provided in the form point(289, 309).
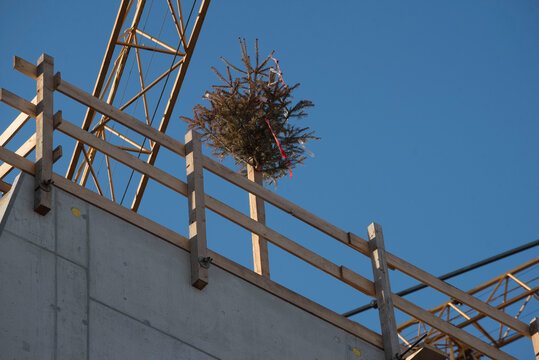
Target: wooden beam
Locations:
point(15, 126)
point(44, 131)
point(534, 331)
point(4, 187)
point(272, 236)
point(276, 200)
point(16, 160)
point(23, 151)
point(17, 102)
point(458, 294)
point(127, 159)
point(382, 289)
point(197, 213)
point(123, 118)
point(258, 213)
point(25, 67)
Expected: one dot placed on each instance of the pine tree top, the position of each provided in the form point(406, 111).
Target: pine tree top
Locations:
point(250, 115)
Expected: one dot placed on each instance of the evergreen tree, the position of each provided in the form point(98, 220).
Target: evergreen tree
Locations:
point(250, 117)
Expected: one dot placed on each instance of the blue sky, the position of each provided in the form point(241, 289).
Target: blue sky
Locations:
point(428, 113)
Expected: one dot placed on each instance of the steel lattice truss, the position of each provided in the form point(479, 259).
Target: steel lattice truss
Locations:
point(158, 57)
point(515, 292)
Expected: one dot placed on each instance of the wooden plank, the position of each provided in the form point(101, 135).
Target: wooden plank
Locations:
point(382, 288)
point(127, 159)
point(23, 151)
point(120, 211)
point(18, 161)
point(359, 244)
point(276, 200)
point(44, 133)
point(357, 281)
point(272, 236)
point(258, 213)
point(447, 328)
point(458, 294)
point(25, 67)
point(125, 119)
point(15, 126)
point(4, 187)
point(17, 102)
point(197, 213)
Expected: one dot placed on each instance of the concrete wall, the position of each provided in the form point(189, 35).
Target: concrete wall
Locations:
point(80, 283)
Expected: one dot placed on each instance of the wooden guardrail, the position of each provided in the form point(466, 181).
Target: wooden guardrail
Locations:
point(198, 201)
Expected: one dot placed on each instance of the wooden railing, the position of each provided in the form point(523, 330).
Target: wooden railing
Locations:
point(41, 109)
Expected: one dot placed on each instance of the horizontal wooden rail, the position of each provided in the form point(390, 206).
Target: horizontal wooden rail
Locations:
point(23, 151)
point(15, 126)
point(17, 102)
point(125, 119)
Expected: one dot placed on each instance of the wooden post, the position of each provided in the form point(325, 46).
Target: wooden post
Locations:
point(383, 291)
point(44, 130)
point(200, 262)
point(258, 213)
point(534, 331)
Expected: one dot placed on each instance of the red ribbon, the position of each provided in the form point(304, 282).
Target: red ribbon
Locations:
point(283, 154)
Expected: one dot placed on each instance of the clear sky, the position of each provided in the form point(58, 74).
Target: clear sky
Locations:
point(428, 113)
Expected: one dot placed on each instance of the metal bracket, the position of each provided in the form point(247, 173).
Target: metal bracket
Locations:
point(45, 185)
point(205, 262)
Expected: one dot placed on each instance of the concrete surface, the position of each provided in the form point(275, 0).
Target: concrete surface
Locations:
point(80, 283)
